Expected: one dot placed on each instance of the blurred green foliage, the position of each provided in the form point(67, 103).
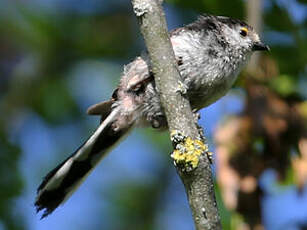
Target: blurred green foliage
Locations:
point(10, 183)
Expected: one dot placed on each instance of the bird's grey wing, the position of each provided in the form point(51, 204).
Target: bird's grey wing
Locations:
point(136, 75)
point(101, 108)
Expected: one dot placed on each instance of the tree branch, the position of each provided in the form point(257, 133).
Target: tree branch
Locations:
point(190, 154)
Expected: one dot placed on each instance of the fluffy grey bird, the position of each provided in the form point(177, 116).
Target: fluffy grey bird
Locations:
point(210, 53)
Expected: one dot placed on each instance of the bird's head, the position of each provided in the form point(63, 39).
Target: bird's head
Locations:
point(230, 33)
point(241, 35)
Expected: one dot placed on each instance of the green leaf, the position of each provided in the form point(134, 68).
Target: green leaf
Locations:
point(284, 85)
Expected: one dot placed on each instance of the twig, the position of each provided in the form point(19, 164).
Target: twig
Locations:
point(190, 154)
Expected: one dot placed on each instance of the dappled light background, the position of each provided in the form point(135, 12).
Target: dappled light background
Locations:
point(59, 57)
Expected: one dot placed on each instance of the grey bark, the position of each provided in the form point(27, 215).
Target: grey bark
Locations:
point(198, 181)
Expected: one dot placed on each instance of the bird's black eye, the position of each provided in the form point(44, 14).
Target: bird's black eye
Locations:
point(243, 31)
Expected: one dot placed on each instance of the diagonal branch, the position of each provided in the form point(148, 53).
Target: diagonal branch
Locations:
point(190, 154)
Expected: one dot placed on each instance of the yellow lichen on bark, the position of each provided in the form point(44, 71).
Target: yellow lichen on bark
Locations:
point(187, 151)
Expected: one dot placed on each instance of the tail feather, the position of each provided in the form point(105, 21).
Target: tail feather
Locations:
point(61, 182)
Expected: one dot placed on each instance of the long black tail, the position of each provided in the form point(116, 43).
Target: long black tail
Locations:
point(62, 181)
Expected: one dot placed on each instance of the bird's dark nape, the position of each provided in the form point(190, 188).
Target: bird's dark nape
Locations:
point(207, 22)
point(203, 23)
point(232, 22)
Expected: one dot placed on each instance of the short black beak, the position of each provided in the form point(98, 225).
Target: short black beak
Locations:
point(259, 46)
